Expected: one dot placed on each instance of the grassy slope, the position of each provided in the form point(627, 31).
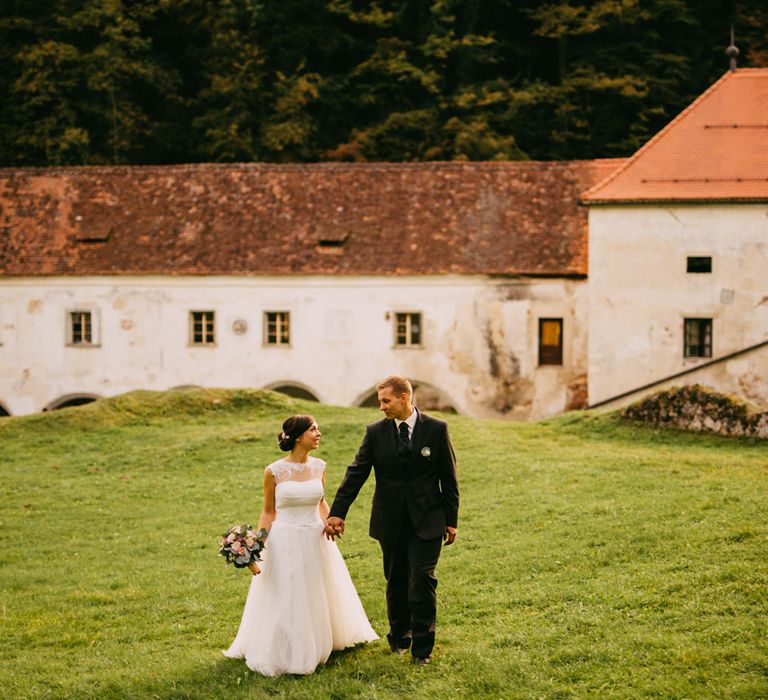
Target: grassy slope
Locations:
point(595, 559)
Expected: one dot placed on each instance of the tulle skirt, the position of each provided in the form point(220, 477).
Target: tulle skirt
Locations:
point(302, 605)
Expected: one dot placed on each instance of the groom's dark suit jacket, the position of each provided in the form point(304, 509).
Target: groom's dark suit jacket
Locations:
point(420, 486)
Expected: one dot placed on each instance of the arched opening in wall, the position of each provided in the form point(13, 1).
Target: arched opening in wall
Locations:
point(4, 412)
point(294, 390)
point(426, 396)
point(71, 400)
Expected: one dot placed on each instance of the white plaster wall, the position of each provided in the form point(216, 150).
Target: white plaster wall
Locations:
point(341, 332)
point(743, 376)
point(640, 292)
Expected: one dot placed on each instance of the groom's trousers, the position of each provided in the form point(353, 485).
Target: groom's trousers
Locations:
point(409, 567)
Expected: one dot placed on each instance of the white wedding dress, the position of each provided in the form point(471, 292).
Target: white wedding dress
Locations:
point(303, 604)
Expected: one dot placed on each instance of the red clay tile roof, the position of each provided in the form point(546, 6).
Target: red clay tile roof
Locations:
point(260, 219)
point(715, 150)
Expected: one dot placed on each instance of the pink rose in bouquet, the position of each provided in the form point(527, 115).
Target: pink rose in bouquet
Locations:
point(242, 546)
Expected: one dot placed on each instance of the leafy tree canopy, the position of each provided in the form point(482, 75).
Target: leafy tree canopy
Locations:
point(161, 81)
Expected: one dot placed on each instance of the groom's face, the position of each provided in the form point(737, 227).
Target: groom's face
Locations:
point(394, 406)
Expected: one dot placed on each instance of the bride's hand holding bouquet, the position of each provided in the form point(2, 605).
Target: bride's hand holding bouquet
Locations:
point(241, 545)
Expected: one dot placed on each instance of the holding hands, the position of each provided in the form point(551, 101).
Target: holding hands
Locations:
point(450, 534)
point(334, 527)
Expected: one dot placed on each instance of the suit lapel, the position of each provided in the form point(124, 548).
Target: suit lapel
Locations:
point(419, 435)
point(393, 440)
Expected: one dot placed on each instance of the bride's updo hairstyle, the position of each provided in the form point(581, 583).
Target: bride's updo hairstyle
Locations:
point(293, 428)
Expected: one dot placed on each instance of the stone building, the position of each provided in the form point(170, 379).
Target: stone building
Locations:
point(515, 290)
point(470, 278)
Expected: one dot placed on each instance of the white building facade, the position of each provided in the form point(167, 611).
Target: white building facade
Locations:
point(695, 290)
point(468, 343)
point(678, 254)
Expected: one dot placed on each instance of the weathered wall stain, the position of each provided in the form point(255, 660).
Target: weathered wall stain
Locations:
point(508, 391)
point(577, 395)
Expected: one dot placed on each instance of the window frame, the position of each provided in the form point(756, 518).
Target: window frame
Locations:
point(707, 344)
point(204, 343)
point(95, 327)
point(552, 359)
point(278, 342)
point(408, 320)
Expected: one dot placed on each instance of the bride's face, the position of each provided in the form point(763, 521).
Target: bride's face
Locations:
point(310, 438)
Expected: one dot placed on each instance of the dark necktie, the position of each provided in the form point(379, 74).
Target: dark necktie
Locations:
point(405, 443)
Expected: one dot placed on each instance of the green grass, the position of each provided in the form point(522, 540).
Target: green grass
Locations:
point(594, 559)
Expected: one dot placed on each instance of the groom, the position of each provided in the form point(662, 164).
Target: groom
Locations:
point(415, 508)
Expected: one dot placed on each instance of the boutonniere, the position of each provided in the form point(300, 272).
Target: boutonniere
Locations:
point(426, 452)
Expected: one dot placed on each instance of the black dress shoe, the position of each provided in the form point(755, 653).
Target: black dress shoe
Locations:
point(421, 660)
point(400, 645)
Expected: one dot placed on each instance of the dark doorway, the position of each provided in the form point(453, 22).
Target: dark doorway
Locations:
point(71, 400)
point(295, 392)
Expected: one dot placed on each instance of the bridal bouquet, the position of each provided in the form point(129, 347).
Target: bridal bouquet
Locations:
point(241, 545)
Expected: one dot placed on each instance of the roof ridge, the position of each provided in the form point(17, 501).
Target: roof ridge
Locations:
point(324, 165)
point(586, 196)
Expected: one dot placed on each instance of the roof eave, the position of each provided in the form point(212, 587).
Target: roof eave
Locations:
point(492, 274)
point(676, 200)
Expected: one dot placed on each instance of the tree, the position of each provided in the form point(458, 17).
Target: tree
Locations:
point(123, 80)
point(231, 103)
point(614, 80)
point(425, 87)
point(159, 81)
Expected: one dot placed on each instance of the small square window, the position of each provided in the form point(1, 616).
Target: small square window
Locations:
point(550, 341)
point(698, 337)
point(277, 328)
point(407, 329)
point(698, 264)
point(81, 328)
point(202, 329)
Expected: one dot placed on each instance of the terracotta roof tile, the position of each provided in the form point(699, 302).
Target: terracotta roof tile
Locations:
point(261, 219)
point(715, 150)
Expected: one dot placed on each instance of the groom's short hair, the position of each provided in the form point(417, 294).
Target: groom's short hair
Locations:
point(400, 385)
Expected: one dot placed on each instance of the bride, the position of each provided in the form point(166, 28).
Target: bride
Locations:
point(302, 604)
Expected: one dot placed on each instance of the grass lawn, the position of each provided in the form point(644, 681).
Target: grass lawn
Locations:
point(594, 559)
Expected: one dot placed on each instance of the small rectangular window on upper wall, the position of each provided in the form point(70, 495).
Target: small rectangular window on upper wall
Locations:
point(698, 264)
point(697, 334)
point(202, 329)
point(277, 328)
point(407, 329)
point(82, 328)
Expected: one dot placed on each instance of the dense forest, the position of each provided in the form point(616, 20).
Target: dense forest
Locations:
point(176, 81)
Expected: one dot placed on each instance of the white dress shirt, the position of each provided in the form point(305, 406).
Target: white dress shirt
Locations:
point(410, 422)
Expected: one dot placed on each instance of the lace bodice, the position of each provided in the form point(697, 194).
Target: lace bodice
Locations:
point(298, 491)
point(285, 470)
